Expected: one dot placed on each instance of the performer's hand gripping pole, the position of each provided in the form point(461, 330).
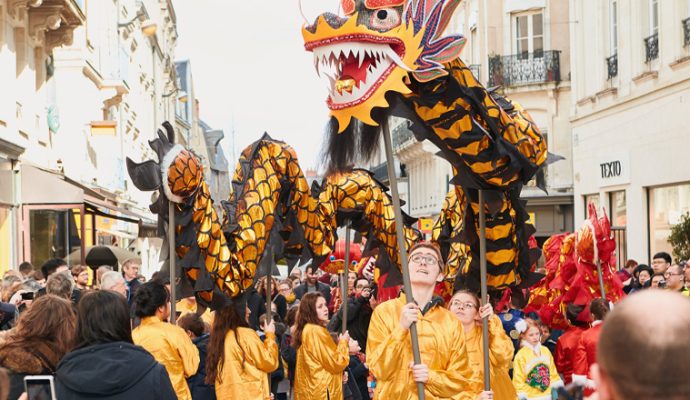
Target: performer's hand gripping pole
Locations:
point(401, 244)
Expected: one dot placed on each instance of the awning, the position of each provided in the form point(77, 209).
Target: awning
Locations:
point(41, 186)
point(44, 187)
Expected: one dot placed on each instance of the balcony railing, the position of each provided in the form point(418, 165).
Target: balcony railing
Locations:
point(401, 134)
point(612, 63)
point(475, 68)
point(651, 45)
point(686, 32)
point(525, 68)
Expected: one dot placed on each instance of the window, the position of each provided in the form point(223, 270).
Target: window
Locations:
point(53, 234)
point(617, 209)
point(592, 198)
point(529, 34)
point(613, 24)
point(666, 205)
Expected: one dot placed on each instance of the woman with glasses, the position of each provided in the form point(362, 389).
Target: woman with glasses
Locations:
point(285, 289)
point(465, 305)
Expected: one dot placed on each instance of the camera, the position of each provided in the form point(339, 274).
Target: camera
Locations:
point(28, 295)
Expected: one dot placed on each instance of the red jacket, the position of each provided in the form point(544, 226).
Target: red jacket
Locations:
point(586, 354)
point(565, 352)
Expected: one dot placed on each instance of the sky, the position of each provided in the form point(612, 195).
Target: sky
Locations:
point(251, 73)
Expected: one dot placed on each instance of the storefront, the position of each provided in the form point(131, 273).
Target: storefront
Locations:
point(644, 190)
point(550, 215)
point(61, 217)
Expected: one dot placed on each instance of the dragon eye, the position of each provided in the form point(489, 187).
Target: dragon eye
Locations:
point(385, 19)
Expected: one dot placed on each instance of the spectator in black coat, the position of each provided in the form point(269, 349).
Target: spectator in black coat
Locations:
point(287, 351)
point(197, 331)
point(106, 364)
point(359, 312)
point(312, 284)
point(276, 298)
point(130, 271)
point(51, 267)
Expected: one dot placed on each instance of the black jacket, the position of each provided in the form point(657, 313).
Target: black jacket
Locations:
point(320, 286)
point(115, 371)
point(201, 390)
point(358, 318)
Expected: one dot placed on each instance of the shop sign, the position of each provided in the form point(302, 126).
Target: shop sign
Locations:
point(426, 225)
point(613, 170)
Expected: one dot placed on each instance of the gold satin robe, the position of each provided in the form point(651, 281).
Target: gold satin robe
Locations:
point(185, 306)
point(501, 352)
point(442, 348)
point(248, 361)
point(320, 365)
point(170, 346)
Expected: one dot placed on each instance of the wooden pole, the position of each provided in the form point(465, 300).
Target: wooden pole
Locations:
point(172, 259)
point(402, 248)
point(602, 289)
point(344, 286)
point(267, 287)
point(484, 290)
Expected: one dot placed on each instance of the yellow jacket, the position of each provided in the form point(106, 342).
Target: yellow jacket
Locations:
point(534, 375)
point(185, 306)
point(247, 362)
point(442, 348)
point(320, 365)
point(170, 346)
point(501, 352)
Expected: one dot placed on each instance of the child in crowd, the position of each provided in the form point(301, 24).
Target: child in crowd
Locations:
point(534, 370)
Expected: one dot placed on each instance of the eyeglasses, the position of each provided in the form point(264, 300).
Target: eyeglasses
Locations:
point(362, 287)
point(428, 260)
point(463, 306)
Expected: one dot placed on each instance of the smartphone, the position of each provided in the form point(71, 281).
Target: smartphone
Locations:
point(28, 296)
point(572, 391)
point(40, 387)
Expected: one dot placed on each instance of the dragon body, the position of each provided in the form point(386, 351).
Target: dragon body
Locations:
point(271, 205)
point(381, 58)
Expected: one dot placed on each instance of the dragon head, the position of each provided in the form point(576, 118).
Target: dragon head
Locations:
point(373, 49)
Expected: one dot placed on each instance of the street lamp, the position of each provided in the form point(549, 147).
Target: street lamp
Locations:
point(148, 27)
point(182, 98)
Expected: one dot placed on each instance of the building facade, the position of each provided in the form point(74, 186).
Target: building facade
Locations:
point(89, 86)
point(29, 32)
point(522, 47)
point(629, 112)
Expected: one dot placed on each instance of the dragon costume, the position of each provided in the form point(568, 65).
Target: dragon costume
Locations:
point(271, 207)
point(571, 271)
point(389, 57)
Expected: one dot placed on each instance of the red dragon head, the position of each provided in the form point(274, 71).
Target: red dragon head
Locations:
point(373, 47)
